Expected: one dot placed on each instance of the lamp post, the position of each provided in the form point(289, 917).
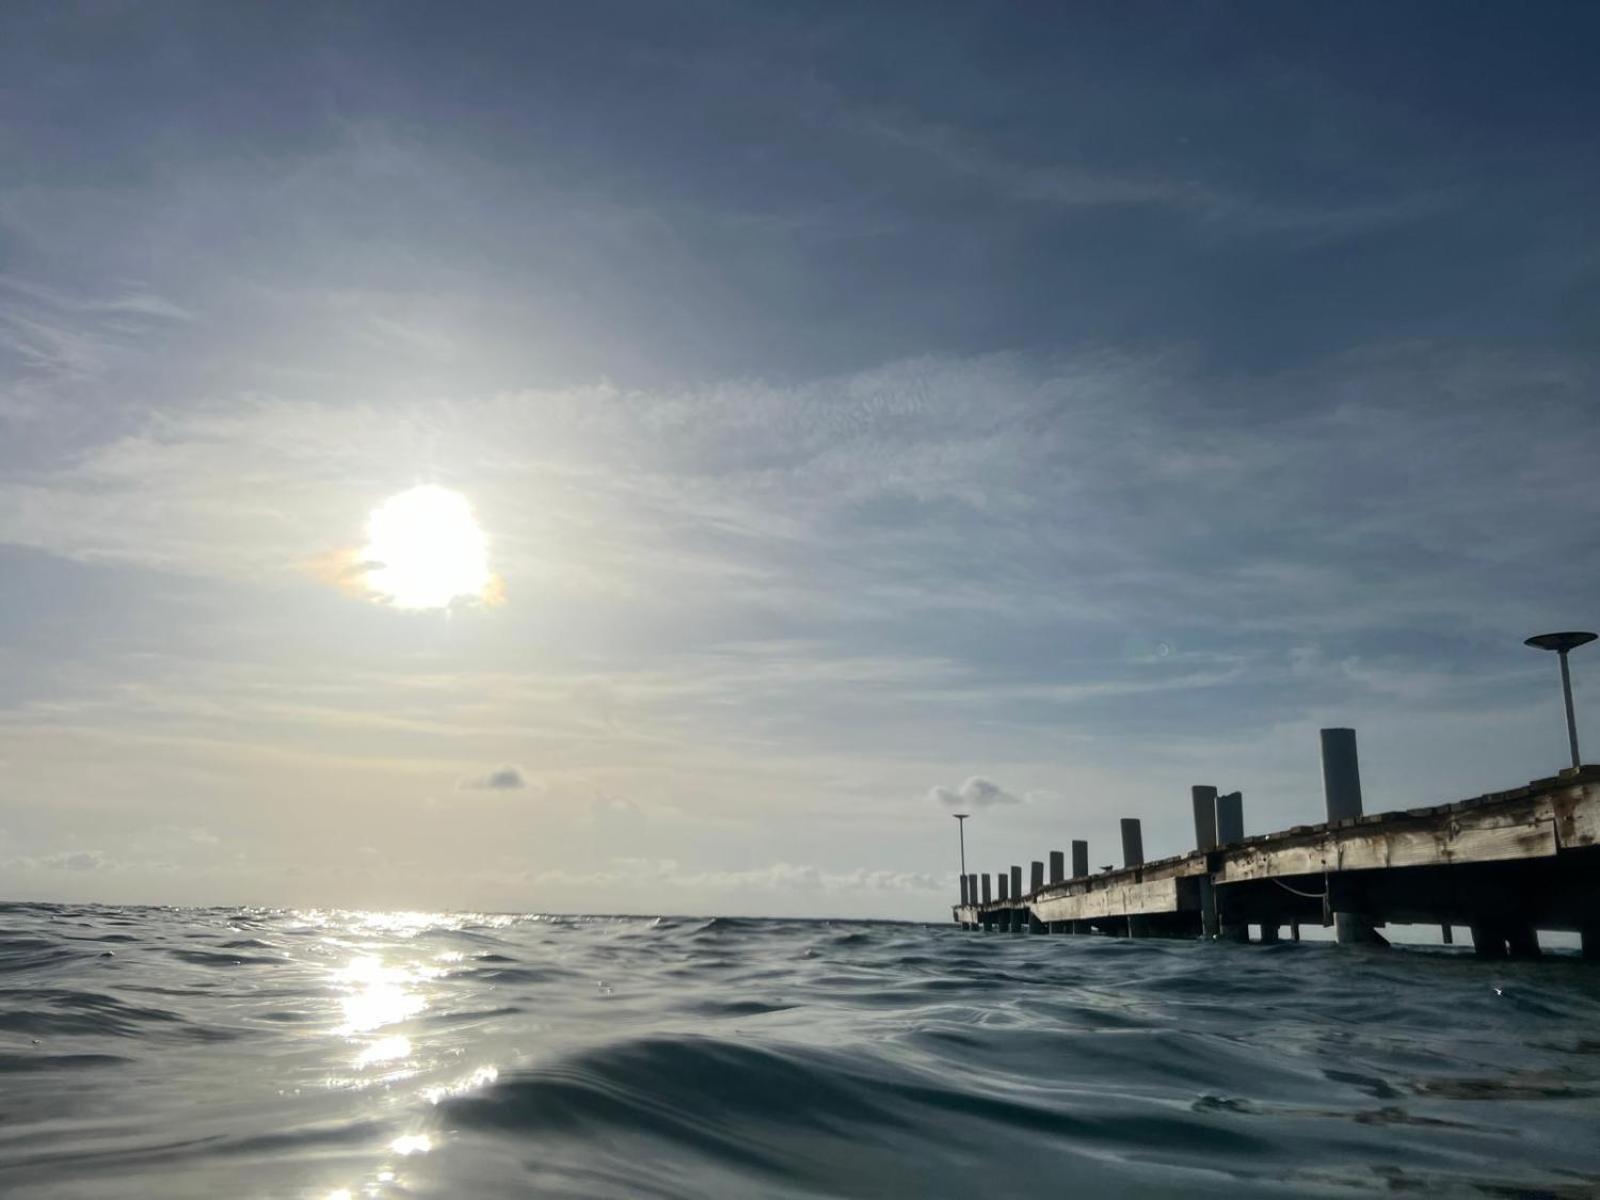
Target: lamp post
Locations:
point(961, 832)
point(1561, 643)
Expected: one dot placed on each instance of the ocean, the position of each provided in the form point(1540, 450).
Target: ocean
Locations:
point(162, 1052)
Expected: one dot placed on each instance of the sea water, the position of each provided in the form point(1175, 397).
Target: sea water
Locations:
point(157, 1052)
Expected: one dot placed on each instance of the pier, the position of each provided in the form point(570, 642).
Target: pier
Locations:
point(1505, 865)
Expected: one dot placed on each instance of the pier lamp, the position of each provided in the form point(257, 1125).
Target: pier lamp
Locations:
point(961, 832)
point(1561, 643)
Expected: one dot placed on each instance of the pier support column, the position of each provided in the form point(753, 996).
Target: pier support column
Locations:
point(1204, 800)
point(1589, 939)
point(1294, 931)
point(964, 898)
point(984, 886)
point(1230, 818)
point(1132, 842)
point(1080, 859)
point(1209, 926)
point(1341, 794)
point(1016, 883)
point(1447, 935)
point(1035, 925)
point(1488, 940)
point(1058, 866)
point(1037, 879)
point(1522, 940)
point(1269, 934)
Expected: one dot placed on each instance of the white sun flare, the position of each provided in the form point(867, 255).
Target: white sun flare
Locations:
point(424, 549)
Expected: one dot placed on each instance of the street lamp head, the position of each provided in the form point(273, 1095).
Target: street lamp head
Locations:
point(961, 816)
point(1569, 640)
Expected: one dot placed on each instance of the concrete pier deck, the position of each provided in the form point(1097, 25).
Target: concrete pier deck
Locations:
point(1506, 864)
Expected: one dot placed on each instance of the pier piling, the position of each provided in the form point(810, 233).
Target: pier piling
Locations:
point(984, 888)
point(1132, 842)
point(1341, 793)
point(1058, 866)
point(1204, 799)
point(1036, 879)
point(1080, 859)
point(1230, 818)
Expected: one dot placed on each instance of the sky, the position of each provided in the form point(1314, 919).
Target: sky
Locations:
point(868, 409)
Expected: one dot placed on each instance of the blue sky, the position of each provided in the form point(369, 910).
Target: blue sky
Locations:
point(1087, 400)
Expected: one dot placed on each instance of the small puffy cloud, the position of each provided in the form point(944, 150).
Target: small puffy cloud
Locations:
point(506, 778)
point(976, 792)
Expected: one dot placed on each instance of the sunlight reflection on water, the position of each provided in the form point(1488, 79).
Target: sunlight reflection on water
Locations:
point(378, 994)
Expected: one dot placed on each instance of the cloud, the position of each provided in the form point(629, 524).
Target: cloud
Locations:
point(976, 792)
point(505, 778)
point(70, 860)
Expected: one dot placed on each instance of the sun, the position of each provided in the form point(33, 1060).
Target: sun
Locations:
point(424, 550)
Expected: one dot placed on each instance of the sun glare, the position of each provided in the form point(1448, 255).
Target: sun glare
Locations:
point(425, 550)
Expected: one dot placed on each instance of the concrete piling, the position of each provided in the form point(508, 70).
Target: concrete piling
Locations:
point(1209, 926)
point(1230, 819)
point(984, 881)
point(1341, 774)
point(1037, 877)
point(1080, 859)
point(1521, 940)
point(1488, 940)
point(1132, 842)
point(1204, 799)
point(965, 899)
point(1058, 866)
point(1003, 886)
point(1016, 883)
point(1341, 794)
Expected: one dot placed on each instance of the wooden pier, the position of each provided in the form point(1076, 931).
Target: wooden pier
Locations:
point(1505, 864)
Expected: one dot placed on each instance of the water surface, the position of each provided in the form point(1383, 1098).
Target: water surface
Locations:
point(231, 1052)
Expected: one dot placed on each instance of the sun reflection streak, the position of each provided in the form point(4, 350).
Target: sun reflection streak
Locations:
point(482, 1077)
point(378, 995)
point(384, 1050)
